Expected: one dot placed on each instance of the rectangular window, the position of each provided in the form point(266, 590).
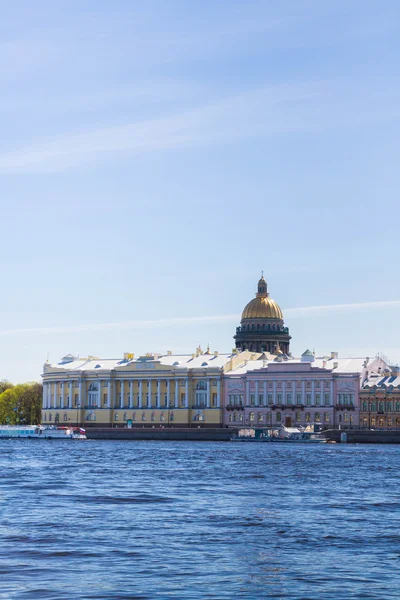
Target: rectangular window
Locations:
point(298, 398)
point(214, 400)
point(105, 399)
point(279, 396)
point(288, 399)
point(308, 399)
point(76, 399)
point(327, 399)
point(318, 399)
point(270, 399)
point(260, 400)
point(183, 396)
point(252, 399)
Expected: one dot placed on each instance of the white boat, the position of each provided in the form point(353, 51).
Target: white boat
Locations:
point(41, 432)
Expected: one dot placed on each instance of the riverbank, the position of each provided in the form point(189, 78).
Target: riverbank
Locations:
point(138, 433)
point(363, 436)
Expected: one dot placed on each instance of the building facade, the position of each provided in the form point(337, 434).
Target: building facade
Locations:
point(262, 327)
point(150, 391)
point(323, 392)
point(380, 400)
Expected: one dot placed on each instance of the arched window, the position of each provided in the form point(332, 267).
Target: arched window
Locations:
point(260, 418)
point(134, 416)
point(380, 422)
point(235, 417)
point(317, 418)
point(308, 418)
point(397, 406)
point(241, 417)
point(278, 417)
point(143, 416)
point(326, 417)
point(171, 416)
point(397, 422)
point(298, 417)
point(390, 422)
point(65, 417)
point(50, 415)
point(153, 416)
point(201, 385)
point(380, 406)
point(389, 406)
point(125, 416)
point(251, 417)
point(230, 418)
point(162, 418)
point(116, 417)
point(364, 406)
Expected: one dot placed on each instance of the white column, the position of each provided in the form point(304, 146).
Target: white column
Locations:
point(331, 398)
point(158, 393)
point(62, 394)
point(109, 393)
point(80, 401)
point(303, 393)
point(55, 394)
point(219, 393)
point(168, 392)
point(122, 393)
point(265, 394)
point(131, 394)
point(208, 393)
point(187, 393)
point(257, 393)
point(313, 392)
point(247, 400)
point(70, 392)
point(176, 405)
point(44, 398)
point(114, 393)
point(140, 393)
point(274, 393)
point(149, 394)
point(284, 392)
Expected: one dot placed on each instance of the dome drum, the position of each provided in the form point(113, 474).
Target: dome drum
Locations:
point(262, 327)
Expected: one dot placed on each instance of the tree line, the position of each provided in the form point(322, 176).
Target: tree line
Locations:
point(21, 403)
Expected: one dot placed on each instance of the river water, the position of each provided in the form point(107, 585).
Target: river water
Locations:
point(109, 519)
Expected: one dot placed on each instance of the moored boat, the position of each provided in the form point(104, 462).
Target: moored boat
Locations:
point(41, 432)
point(283, 434)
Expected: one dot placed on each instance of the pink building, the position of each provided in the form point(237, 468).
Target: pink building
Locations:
point(281, 390)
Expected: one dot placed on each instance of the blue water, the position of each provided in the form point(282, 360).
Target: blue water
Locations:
point(105, 519)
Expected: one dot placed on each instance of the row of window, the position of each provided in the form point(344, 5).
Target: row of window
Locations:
point(380, 422)
point(169, 417)
point(381, 406)
point(261, 418)
point(238, 399)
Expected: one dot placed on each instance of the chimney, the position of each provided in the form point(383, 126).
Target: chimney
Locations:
point(335, 365)
point(334, 354)
point(324, 364)
point(169, 352)
point(216, 353)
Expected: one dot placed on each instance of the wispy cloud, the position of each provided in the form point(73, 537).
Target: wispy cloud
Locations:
point(304, 311)
point(273, 110)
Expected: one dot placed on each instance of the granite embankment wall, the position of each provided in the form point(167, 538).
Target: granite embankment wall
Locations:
point(362, 436)
point(200, 435)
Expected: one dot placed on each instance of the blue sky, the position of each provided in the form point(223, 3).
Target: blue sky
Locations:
point(156, 156)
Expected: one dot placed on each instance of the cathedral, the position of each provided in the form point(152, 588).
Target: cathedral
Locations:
point(262, 327)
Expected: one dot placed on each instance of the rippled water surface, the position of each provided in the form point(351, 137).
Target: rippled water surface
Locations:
point(109, 519)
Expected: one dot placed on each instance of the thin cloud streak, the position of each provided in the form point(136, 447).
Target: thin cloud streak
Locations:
point(304, 311)
point(307, 107)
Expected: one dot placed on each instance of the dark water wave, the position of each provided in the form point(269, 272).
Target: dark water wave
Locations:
point(110, 520)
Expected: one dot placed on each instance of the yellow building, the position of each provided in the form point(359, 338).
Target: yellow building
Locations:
point(150, 391)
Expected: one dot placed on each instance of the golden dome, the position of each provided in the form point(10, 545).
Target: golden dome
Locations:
point(262, 306)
